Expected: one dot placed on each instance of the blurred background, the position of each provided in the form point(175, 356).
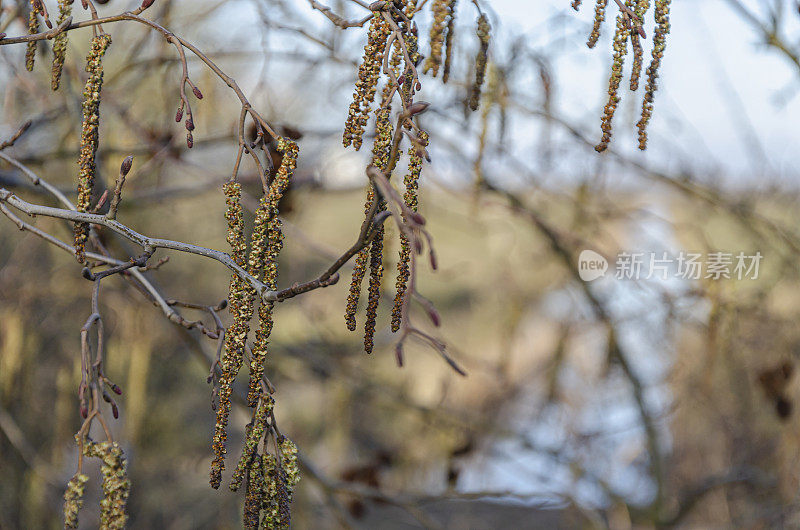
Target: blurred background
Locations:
point(616, 403)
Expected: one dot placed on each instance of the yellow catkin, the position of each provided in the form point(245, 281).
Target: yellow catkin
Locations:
point(599, 17)
point(411, 199)
point(60, 44)
point(484, 34)
point(576, 4)
point(116, 485)
point(33, 28)
point(255, 433)
point(659, 45)
point(279, 484)
point(240, 305)
point(620, 46)
point(267, 242)
point(271, 518)
point(366, 85)
point(73, 499)
point(90, 136)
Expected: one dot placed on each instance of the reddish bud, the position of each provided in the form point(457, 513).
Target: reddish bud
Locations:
point(179, 114)
point(189, 124)
point(49, 24)
point(84, 412)
point(117, 390)
point(147, 3)
point(2, 35)
point(417, 218)
point(434, 316)
point(189, 140)
point(125, 168)
point(401, 80)
point(434, 263)
point(115, 410)
point(197, 93)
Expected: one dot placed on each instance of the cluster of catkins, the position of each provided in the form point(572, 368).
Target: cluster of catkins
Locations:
point(266, 242)
point(116, 486)
point(629, 27)
point(89, 136)
point(385, 152)
point(269, 479)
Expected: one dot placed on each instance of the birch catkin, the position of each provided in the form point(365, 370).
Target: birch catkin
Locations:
point(89, 136)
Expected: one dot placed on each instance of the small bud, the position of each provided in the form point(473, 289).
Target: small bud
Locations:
point(117, 390)
point(189, 124)
point(84, 412)
point(189, 140)
point(2, 35)
point(125, 168)
point(179, 114)
point(434, 316)
point(434, 263)
point(417, 218)
point(147, 3)
point(197, 93)
point(114, 411)
point(418, 107)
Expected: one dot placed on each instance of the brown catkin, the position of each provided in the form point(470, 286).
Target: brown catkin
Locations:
point(599, 17)
point(484, 34)
point(254, 496)
point(381, 153)
point(448, 40)
point(659, 45)
point(33, 28)
point(73, 499)
point(366, 85)
point(636, 71)
point(89, 136)
point(266, 245)
point(60, 44)
point(620, 46)
point(440, 10)
point(359, 270)
point(240, 305)
point(411, 199)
